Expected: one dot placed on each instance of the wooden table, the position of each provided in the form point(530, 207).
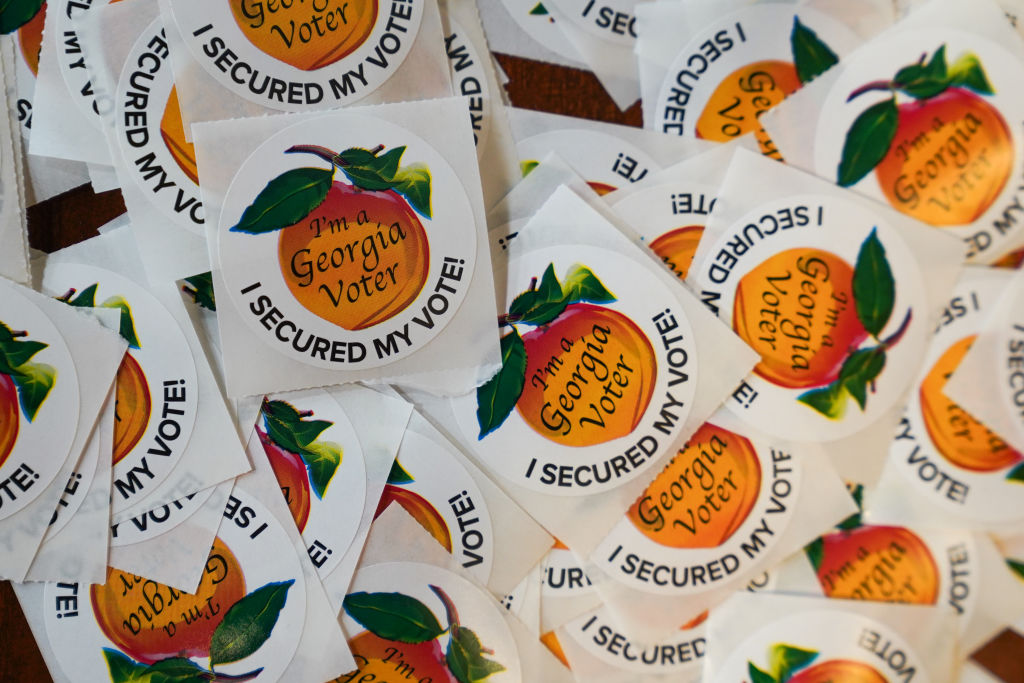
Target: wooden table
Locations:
point(75, 216)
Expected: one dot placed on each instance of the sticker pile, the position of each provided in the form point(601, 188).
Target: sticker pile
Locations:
point(382, 378)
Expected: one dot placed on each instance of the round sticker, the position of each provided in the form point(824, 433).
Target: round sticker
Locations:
point(318, 461)
point(150, 133)
point(159, 520)
point(599, 373)
point(534, 19)
point(469, 79)
point(717, 509)
point(434, 487)
point(826, 645)
point(605, 161)
point(612, 20)
point(670, 220)
point(898, 564)
point(600, 636)
point(940, 450)
point(833, 301)
point(951, 155)
point(386, 642)
point(68, 16)
point(39, 401)
point(744, 64)
point(366, 276)
point(157, 386)
point(132, 623)
point(297, 56)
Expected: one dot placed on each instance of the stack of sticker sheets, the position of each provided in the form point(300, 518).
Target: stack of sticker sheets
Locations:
point(381, 378)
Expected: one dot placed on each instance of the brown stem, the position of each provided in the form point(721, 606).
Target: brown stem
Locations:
point(19, 333)
point(326, 154)
point(891, 341)
point(449, 607)
point(191, 292)
point(305, 413)
point(868, 87)
point(66, 296)
point(507, 319)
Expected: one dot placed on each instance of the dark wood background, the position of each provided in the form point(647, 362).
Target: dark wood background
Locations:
point(75, 216)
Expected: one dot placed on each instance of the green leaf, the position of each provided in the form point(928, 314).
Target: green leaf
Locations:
point(967, 71)
point(465, 657)
point(786, 660)
point(496, 398)
point(860, 369)
point(387, 163)
point(86, 298)
point(127, 322)
point(867, 141)
point(538, 10)
point(1016, 474)
point(413, 183)
point(176, 670)
point(922, 80)
point(1016, 567)
point(18, 351)
point(393, 616)
point(123, 668)
point(202, 293)
point(34, 382)
point(581, 284)
point(758, 676)
point(829, 400)
point(16, 13)
point(368, 178)
point(285, 200)
point(874, 290)
point(288, 428)
point(357, 156)
point(811, 56)
point(541, 305)
point(322, 458)
point(398, 475)
point(815, 551)
point(248, 623)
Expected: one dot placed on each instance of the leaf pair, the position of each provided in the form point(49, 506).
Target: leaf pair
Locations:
point(87, 299)
point(539, 305)
point(404, 619)
point(246, 626)
point(870, 136)
point(33, 381)
point(874, 294)
point(783, 662)
point(293, 195)
point(289, 429)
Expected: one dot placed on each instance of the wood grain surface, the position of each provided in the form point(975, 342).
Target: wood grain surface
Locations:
point(75, 216)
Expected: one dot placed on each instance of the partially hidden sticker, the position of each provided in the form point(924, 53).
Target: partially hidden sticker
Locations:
point(741, 66)
point(716, 510)
point(158, 521)
point(157, 394)
point(244, 620)
point(824, 646)
point(432, 485)
point(422, 622)
point(833, 301)
point(605, 161)
point(599, 635)
point(28, 40)
point(92, 104)
point(297, 56)
point(346, 242)
point(942, 452)
point(39, 402)
point(318, 461)
point(599, 371)
point(928, 122)
point(151, 136)
point(469, 79)
point(670, 219)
